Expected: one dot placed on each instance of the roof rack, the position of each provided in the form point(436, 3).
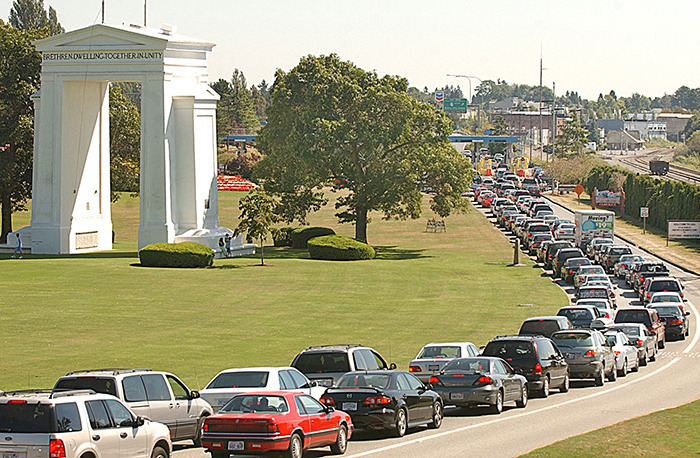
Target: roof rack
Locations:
point(60, 394)
point(331, 346)
point(29, 391)
point(113, 370)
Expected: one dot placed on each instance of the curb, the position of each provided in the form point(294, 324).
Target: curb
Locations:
point(683, 268)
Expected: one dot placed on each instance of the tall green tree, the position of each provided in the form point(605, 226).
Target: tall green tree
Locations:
point(20, 66)
point(329, 118)
point(31, 15)
point(124, 142)
point(572, 138)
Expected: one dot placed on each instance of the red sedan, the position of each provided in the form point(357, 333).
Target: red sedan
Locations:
point(256, 423)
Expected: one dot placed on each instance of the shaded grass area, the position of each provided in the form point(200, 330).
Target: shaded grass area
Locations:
point(668, 433)
point(63, 313)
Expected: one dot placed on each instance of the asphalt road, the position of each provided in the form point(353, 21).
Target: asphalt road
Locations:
point(669, 382)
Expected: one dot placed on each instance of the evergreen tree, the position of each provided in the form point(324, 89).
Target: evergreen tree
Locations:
point(31, 15)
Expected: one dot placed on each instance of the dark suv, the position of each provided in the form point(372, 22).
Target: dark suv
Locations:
point(535, 357)
point(647, 317)
point(325, 364)
point(544, 325)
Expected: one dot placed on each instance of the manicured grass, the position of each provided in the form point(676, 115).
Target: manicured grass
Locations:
point(667, 433)
point(62, 313)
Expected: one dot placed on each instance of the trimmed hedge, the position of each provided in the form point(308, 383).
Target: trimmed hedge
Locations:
point(283, 236)
point(339, 248)
point(183, 254)
point(301, 235)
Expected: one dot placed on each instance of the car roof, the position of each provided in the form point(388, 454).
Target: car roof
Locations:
point(108, 371)
point(435, 344)
point(334, 347)
point(257, 369)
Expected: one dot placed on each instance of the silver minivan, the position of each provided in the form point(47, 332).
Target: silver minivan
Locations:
point(158, 396)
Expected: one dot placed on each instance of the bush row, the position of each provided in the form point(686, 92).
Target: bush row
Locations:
point(184, 254)
point(666, 199)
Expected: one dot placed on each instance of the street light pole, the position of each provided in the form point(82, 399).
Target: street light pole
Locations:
point(470, 91)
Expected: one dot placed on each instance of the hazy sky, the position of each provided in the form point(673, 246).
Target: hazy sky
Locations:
point(592, 46)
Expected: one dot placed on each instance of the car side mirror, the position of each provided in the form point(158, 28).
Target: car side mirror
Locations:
point(392, 366)
point(194, 394)
point(138, 422)
point(428, 386)
point(329, 409)
point(686, 313)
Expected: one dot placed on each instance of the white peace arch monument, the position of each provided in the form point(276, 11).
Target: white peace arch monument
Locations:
point(71, 185)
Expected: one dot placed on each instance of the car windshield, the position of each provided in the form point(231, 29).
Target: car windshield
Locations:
point(440, 351)
point(671, 310)
point(573, 339)
point(629, 330)
point(322, 362)
point(593, 293)
point(19, 416)
point(509, 349)
point(576, 314)
point(257, 379)
point(355, 379)
point(248, 403)
point(469, 365)
point(665, 298)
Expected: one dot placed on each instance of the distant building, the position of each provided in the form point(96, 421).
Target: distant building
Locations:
point(628, 140)
point(648, 129)
point(675, 124)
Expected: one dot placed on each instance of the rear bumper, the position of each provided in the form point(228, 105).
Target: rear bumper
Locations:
point(585, 370)
point(378, 419)
point(468, 396)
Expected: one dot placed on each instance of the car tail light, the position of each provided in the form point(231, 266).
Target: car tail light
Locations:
point(414, 369)
point(484, 380)
point(272, 427)
point(681, 295)
point(571, 271)
point(641, 279)
point(57, 449)
point(538, 369)
point(674, 322)
point(623, 266)
point(377, 400)
point(617, 352)
point(590, 353)
point(434, 381)
point(327, 400)
point(529, 234)
point(17, 401)
point(648, 295)
point(639, 343)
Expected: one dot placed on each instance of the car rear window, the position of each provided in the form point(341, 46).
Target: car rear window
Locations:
point(633, 316)
point(573, 339)
point(510, 349)
point(592, 293)
point(255, 404)
point(257, 379)
point(104, 385)
point(672, 310)
point(440, 351)
point(544, 327)
point(664, 285)
point(18, 416)
point(576, 314)
point(361, 380)
point(322, 362)
point(620, 251)
point(629, 330)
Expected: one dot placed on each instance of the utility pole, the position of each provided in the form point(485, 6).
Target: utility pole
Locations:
point(554, 119)
point(144, 12)
point(540, 114)
point(103, 11)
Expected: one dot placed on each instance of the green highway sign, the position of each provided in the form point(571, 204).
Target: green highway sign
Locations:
point(456, 105)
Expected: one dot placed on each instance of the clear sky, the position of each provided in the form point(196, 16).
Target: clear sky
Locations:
point(588, 46)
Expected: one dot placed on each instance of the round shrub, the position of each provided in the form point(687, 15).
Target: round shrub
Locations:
point(301, 235)
point(339, 248)
point(283, 236)
point(183, 254)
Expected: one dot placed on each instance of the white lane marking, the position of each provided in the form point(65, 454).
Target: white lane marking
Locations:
point(524, 414)
point(697, 329)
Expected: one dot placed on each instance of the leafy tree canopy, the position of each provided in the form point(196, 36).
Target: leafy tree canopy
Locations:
point(31, 15)
point(124, 142)
point(330, 119)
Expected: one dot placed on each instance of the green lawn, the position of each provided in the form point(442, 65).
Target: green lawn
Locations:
point(62, 313)
point(667, 433)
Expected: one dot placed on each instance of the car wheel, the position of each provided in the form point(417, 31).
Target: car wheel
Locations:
point(158, 452)
point(652, 357)
point(341, 443)
point(497, 408)
point(636, 366)
point(296, 447)
point(565, 385)
point(612, 376)
point(544, 392)
point(523, 397)
point(600, 378)
point(401, 424)
point(623, 372)
point(198, 438)
point(437, 416)
point(662, 344)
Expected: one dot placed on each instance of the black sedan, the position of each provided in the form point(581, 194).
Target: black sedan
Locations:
point(394, 400)
point(480, 381)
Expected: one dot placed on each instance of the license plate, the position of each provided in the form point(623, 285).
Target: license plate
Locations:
point(435, 367)
point(236, 445)
point(349, 406)
point(456, 396)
